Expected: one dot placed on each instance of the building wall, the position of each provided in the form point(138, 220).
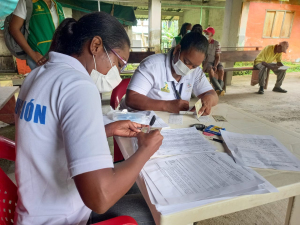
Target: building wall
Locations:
point(210, 17)
point(255, 26)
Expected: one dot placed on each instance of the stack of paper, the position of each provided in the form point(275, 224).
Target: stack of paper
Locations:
point(184, 181)
point(183, 141)
point(159, 123)
point(261, 151)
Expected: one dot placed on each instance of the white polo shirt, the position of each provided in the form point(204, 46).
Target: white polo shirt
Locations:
point(153, 78)
point(59, 134)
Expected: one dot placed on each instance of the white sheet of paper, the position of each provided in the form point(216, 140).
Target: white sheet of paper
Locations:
point(158, 122)
point(203, 119)
point(283, 68)
point(183, 141)
point(175, 119)
point(261, 151)
point(192, 177)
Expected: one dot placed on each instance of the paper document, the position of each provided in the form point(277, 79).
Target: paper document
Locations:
point(261, 151)
point(175, 119)
point(158, 122)
point(283, 68)
point(193, 177)
point(203, 119)
point(198, 106)
point(183, 141)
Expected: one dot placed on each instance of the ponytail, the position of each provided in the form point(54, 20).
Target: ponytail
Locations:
point(71, 35)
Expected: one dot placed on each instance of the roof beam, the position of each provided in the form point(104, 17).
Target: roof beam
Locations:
point(163, 13)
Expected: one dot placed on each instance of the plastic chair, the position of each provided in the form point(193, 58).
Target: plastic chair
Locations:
point(116, 96)
point(120, 220)
point(8, 190)
point(9, 197)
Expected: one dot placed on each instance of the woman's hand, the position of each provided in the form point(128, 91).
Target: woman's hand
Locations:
point(38, 58)
point(123, 128)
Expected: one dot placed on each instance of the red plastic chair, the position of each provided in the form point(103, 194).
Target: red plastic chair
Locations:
point(9, 197)
point(8, 190)
point(116, 96)
point(120, 220)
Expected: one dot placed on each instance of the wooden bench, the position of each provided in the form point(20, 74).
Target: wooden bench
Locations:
point(136, 57)
point(240, 56)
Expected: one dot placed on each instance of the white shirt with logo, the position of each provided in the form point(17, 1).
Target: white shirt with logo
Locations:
point(59, 134)
point(153, 78)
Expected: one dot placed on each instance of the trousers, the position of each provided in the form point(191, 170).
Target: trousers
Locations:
point(132, 204)
point(263, 74)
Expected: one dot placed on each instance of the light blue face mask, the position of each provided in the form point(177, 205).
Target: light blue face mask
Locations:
point(188, 31)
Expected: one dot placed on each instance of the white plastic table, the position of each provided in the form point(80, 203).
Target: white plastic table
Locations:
point(287, 182)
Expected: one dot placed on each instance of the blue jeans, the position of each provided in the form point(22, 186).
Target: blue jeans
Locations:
point(31, 63)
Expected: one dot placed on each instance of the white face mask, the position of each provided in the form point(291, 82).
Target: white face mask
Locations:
point(106, 83)
point(188, 31)
point(180, 68)
point(207, 36)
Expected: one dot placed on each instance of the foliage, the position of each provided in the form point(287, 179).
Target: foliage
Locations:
point(169, 31)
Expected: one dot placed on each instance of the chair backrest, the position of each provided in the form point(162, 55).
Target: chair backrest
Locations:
point(239, 56)
point(8, 199)
point(8, 190)
point(118, 93)
point(7, 149)
point(137, 57)
point(120, 220)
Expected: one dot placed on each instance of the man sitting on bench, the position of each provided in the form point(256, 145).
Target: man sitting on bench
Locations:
point(212, 64)
point(264, 61)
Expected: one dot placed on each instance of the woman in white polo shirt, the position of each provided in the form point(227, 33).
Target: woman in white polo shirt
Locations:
point(165, 82)
point(64, 168)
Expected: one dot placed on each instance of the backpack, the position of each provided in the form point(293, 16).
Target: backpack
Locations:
point(10, 42)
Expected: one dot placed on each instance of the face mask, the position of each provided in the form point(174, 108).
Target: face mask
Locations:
point(106, 83)
point(188, 31)
point(205, 35)
point(180, 68)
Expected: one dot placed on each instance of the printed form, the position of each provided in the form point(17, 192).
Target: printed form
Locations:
point(183, 141)
point(261, 151)
point(194, 177)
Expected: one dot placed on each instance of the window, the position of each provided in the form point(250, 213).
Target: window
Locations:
point(278, 24)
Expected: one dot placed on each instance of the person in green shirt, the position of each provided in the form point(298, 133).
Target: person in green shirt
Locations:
point(264, 61)
point(45, 18)
point(185, 28)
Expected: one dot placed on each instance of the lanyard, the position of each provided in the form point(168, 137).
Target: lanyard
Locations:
point(178, 95)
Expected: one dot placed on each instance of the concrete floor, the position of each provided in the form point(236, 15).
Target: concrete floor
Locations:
point(282, 109)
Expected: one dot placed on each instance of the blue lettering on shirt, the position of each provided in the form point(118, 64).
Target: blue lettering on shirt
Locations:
point(28, 110)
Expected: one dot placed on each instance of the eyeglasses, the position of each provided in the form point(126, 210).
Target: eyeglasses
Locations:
point(124, 61)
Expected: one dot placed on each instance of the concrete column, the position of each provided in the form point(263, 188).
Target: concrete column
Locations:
point(154, 26)
point(233, 9)
point(243, 24)
point(67, 12)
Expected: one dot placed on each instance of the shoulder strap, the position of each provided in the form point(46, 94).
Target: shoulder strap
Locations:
point(29, 8)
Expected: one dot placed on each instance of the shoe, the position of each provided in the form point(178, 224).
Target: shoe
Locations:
point(279, 89)
point(220, 92)
point(261, 90)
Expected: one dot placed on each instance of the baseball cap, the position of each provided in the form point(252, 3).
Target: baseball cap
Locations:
point(284, 46)
point(210, 30)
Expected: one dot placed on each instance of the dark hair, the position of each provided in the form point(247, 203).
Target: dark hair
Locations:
point(194, 40)
point(71, 35)
point(183, 29)
point(197, 28)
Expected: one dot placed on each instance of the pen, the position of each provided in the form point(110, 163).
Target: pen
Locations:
point(217, 140)
point(152, 121)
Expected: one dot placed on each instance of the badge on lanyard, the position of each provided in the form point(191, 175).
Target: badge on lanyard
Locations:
point(165, 88)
